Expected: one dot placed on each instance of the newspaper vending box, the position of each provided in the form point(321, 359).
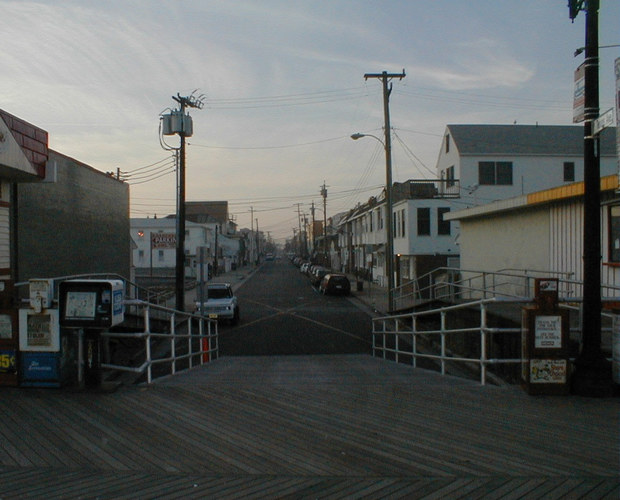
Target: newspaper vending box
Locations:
point(545, 336)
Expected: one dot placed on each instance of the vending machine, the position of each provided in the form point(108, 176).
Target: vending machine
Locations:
point(545, 338)
point(39, 338)
point(9, 347)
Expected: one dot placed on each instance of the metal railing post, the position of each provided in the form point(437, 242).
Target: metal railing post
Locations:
point(172, 343)
point(414, 339)
point(149, 372)
point(396, 340)
point(483, 343)
point(443, 342)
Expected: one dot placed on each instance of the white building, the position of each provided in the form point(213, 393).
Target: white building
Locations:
point(484, 163)
point(542, 233)
point(477, 165)
point(155, 250)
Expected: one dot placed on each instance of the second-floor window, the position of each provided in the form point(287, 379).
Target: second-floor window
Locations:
point(495, 173)
point(450, 176)
point(569, 171)
point(424, 221)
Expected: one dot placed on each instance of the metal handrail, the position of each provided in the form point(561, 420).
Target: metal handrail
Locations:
point(492, 284)
point(132, 290)
point(206, 336)
point(406, 326)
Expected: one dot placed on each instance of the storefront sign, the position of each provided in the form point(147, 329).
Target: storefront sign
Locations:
point(163, 240)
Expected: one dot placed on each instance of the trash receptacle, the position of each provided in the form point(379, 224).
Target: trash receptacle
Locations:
point(360, 285)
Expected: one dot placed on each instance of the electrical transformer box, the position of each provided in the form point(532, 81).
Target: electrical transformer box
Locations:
point(91, 303)
point(177, 123)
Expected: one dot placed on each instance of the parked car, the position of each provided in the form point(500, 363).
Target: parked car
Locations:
point(221, 303)
point(335, 283)
point(317, 274)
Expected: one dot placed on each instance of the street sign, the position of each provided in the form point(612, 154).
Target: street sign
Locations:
point(603, 121)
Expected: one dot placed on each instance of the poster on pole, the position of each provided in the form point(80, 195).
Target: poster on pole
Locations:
point(579, 94)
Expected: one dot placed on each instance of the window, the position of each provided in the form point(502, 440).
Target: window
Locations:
point(450, 177)
point(402, 223)
point(495, 173)
point(140, 254)
point(569, 171)
point(443, 226)
point(424, 221)
point(614, 234)
point(447, 143)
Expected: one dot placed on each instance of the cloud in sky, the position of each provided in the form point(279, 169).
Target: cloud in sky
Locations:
point(285, 88)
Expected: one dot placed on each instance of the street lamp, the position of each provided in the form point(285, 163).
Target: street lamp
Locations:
point(389, 243)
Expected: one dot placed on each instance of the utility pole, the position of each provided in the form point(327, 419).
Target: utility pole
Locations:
point(301, 251)
point(592, 370)
point(252, 235)
point(385, 77)
point(257, 245)
point(313, 226)
point(324, 195)
point(184, 129)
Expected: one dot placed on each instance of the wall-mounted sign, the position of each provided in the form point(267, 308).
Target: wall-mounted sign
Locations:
point(163, 240)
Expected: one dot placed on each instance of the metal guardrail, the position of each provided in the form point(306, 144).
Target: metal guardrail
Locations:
point(465, 284)
point(190, 336)
point(406, 326)
point(391, 332)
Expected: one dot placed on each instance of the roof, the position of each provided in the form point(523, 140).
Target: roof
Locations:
point(549, 140)
point(575, 190)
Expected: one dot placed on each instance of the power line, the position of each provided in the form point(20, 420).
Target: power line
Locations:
point(269, 147)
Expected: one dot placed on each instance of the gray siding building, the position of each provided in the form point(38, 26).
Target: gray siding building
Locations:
point(78, 224)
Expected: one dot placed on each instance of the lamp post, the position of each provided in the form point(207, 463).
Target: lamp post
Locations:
point(389, 236)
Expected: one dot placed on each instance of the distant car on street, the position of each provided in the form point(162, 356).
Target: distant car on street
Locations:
point(335, 284)
point(221, 303)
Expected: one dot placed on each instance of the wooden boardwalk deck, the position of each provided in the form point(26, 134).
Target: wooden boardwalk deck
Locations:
point(307, 427)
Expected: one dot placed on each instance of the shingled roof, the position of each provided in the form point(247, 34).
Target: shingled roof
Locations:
point(528, 140)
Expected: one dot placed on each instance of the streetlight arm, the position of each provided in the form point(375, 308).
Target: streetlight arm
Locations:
point(358, 135)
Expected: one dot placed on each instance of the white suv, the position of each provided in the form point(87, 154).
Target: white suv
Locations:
point(220, 303)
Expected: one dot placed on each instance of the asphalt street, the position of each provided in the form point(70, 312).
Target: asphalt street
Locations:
point(282, 314)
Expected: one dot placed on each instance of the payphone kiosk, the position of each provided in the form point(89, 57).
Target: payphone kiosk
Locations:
point(545, 337)
point(90, 306)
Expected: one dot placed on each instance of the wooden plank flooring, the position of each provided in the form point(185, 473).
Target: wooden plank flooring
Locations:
point(307, 427)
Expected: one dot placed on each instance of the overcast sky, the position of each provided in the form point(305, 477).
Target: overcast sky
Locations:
point(284, 89)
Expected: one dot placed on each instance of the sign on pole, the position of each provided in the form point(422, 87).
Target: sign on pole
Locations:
point(603, 121)
point(579, 96)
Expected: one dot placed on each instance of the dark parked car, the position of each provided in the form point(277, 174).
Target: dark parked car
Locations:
point(317, 274)
point(335, 284)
